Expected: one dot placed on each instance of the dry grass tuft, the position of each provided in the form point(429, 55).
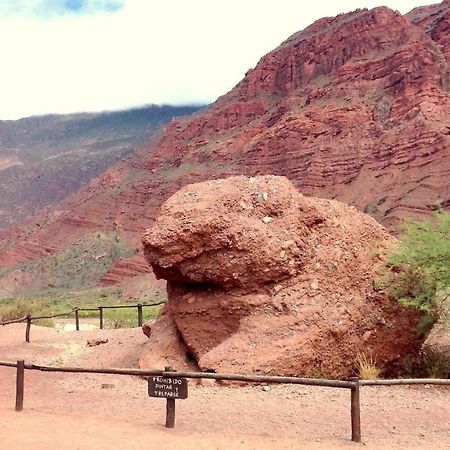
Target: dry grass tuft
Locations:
point(16, 310)
point(367, 366)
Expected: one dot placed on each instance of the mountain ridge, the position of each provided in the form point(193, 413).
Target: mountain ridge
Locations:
point(45, 158)
point(353, 108)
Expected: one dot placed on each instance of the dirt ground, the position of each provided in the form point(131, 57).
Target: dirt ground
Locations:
point(83, 411)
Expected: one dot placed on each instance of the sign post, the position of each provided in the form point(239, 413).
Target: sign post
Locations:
point(170, 389)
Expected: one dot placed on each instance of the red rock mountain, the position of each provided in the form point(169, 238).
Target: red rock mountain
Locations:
point(355, 107)
point(43, 159)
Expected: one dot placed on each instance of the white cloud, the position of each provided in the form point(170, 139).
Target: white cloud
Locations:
point(172, 51)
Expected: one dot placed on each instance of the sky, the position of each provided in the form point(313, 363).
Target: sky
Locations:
point(62, 56)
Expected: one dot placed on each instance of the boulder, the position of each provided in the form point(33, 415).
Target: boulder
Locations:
point(262, 279)
point(229, 237)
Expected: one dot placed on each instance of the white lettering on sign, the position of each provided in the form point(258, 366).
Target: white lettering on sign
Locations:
point(159, 386)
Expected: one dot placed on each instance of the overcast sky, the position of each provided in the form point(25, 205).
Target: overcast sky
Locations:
point(60, 56)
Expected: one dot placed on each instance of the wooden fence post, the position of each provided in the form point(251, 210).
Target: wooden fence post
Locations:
point(170, 406)
point(355, 411)
point(100, 308)
point(27, 332)
point(139, 307)
point(20, 385)
point(77, 320)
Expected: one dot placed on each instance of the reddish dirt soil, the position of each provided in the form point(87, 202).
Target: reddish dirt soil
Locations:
point(80, 411)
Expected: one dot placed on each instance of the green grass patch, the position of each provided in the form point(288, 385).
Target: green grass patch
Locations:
point(11, 309)
point(128, 318)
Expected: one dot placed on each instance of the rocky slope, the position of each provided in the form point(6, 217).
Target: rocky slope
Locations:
point(44, 159)
point(354, 108)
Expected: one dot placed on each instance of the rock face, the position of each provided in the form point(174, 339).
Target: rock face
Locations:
point(353, 108)
point(262, 279)
point(231, 235)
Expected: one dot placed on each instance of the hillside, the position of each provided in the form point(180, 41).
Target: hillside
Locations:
point(354, 108)
point(44, 159)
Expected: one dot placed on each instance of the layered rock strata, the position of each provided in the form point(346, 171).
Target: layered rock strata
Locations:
point(354, 108)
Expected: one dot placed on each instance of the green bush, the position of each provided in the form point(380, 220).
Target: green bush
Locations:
point(419, 274)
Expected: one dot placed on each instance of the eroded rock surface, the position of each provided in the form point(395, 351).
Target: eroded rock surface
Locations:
point(263, 279)
point(354, 108)
point(238, 232)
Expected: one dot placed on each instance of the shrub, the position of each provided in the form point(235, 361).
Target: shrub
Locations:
point(435, 362)
point(430, 363)
point(420, 267)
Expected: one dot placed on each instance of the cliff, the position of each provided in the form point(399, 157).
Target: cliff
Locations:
point(353, 108)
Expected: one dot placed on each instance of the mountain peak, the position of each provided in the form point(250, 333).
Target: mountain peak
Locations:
point(353, 108)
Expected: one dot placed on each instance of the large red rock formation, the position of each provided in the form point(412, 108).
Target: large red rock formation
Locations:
point(353, 108)
point(264, 279)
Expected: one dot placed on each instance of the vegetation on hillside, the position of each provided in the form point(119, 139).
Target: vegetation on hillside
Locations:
point(79, 266)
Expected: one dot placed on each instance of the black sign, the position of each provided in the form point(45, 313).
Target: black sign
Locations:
point(161, 387)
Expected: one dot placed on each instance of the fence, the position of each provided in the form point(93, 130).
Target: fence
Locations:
point(353, 384)
point(29, 319)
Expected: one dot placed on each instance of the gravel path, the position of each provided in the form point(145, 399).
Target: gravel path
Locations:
point(108, 411)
